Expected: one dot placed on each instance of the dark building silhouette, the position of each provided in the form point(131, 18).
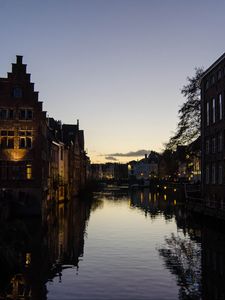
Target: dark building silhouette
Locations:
point(213, 134)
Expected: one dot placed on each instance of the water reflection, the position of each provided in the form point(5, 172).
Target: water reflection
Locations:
point(193, 253)
point(182, 257)
point(31, 256)
point(154, 203)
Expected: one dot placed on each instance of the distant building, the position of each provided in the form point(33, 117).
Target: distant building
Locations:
point(212, 132)
point(147, 168)
point(109, 171)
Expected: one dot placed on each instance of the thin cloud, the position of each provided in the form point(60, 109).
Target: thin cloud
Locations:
point(111, 158)
point(130, 154)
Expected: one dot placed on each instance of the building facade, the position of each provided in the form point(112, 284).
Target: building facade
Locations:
point(42, 162)
point(213, 134)
point(23, 144)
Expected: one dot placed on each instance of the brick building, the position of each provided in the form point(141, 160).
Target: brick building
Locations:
point(213, 134)
point(42, 162)
point(23, 138)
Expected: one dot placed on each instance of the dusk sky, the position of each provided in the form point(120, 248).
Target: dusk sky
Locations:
point(117, 66)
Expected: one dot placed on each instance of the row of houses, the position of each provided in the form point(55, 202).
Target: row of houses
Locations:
point(184, 164)
point(42, 161)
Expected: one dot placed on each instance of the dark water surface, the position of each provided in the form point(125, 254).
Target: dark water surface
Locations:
point(123, 245)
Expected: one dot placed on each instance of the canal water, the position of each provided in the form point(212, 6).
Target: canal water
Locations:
point(124, 244)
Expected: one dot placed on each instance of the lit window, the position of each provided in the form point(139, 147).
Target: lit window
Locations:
point(220, 107)
point(29, 171)
point(7, 139)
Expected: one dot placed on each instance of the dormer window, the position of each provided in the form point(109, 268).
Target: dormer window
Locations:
point(17, 92)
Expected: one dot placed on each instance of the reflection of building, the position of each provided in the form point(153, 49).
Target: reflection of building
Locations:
point(212, 132)
point(213, 263)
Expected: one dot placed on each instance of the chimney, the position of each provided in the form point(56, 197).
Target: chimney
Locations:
point(146, 156)
point(77, 123)
point(19, 59)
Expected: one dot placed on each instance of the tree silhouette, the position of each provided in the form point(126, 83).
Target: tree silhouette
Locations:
point(182, 257)
point(188, 128)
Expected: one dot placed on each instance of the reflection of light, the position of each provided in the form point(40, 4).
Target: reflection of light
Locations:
point(175, 202)
point(157, 185)
point(149, 197)
point(175, 190)
point(165, 197)
point(165, 187)
point(154, 197)
point(142, 196)
point(28, 259)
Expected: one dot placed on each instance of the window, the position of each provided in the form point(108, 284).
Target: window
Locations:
point(220, 107)
point(10, 114)
point(213, 110)
point(213, 145)
point(207, 145)
point(3, 114)
point(29, 114)
point(7, 139)
point(213, 173)
point(29, 171)
point(22, 114)
point(220, 174)
point(6, 114)
point(207, 175)
point(212, 79)
point(219, 74)
point(17, 92)
point(25, 114)
point(206, 85)
point(220, 142)
point(25, 142)
point(207, 113)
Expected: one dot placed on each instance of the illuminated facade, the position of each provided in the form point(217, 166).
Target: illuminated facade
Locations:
point(23, 137)
point(42, 162)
